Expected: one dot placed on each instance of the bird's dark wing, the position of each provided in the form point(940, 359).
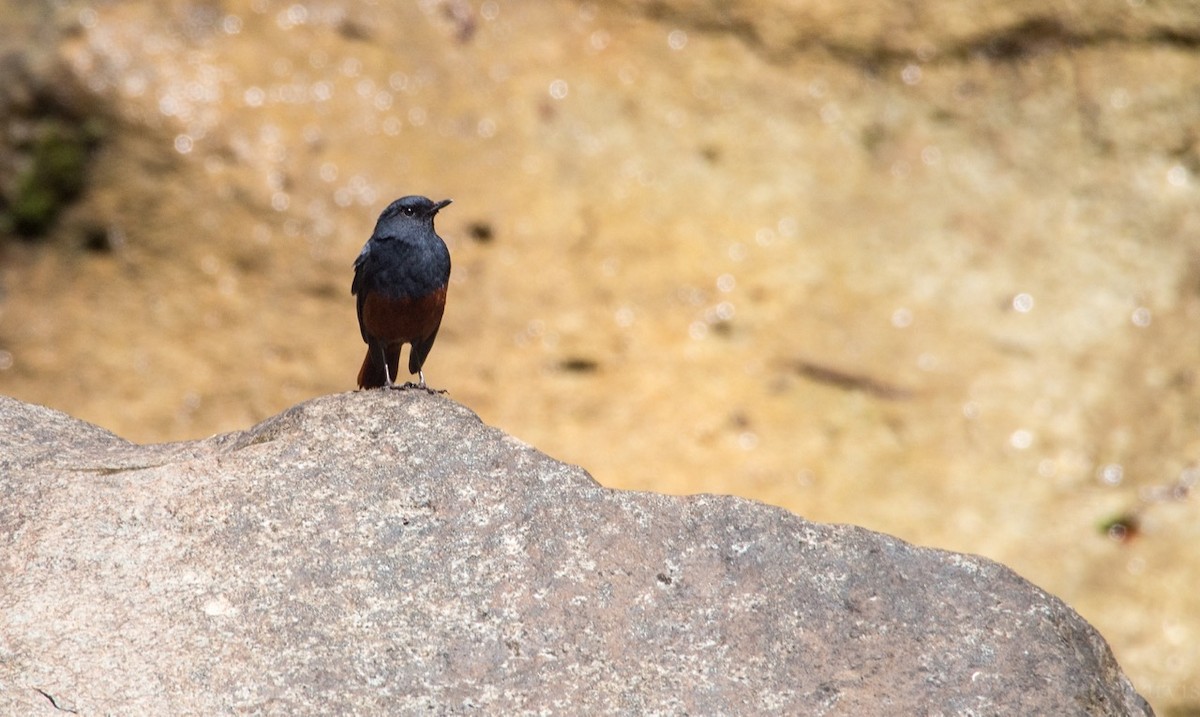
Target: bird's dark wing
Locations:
point(357, 288)
point(356, 285)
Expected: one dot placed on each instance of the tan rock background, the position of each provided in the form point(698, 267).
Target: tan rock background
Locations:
point(929, 268)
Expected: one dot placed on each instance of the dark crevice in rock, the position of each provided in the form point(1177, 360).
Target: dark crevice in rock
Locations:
point(54, 702)
point(1030, 37)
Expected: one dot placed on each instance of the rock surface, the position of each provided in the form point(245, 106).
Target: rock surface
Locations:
point(387, 552)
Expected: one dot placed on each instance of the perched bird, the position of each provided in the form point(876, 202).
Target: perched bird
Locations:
point(400, 279)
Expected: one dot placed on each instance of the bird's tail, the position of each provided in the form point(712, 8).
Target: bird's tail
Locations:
point(372, 374)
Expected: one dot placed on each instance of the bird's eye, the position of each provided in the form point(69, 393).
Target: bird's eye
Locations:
point(408, 211)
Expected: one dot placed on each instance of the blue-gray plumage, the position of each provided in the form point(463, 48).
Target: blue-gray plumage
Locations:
point(400, 279)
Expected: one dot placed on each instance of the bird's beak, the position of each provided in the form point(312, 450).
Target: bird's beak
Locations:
point(437, 207)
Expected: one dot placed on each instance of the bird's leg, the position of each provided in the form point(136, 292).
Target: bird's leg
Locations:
point(421, 383)
point(387, 375)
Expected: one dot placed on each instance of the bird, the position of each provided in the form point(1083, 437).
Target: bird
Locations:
point(400, 279)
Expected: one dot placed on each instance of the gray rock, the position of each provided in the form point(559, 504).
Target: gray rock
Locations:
point(386, 552)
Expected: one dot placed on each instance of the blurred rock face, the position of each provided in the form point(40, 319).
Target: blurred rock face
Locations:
point(931, 269)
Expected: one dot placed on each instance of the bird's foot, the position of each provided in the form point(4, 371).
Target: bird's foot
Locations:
point(411, 385)
point(421, 384)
